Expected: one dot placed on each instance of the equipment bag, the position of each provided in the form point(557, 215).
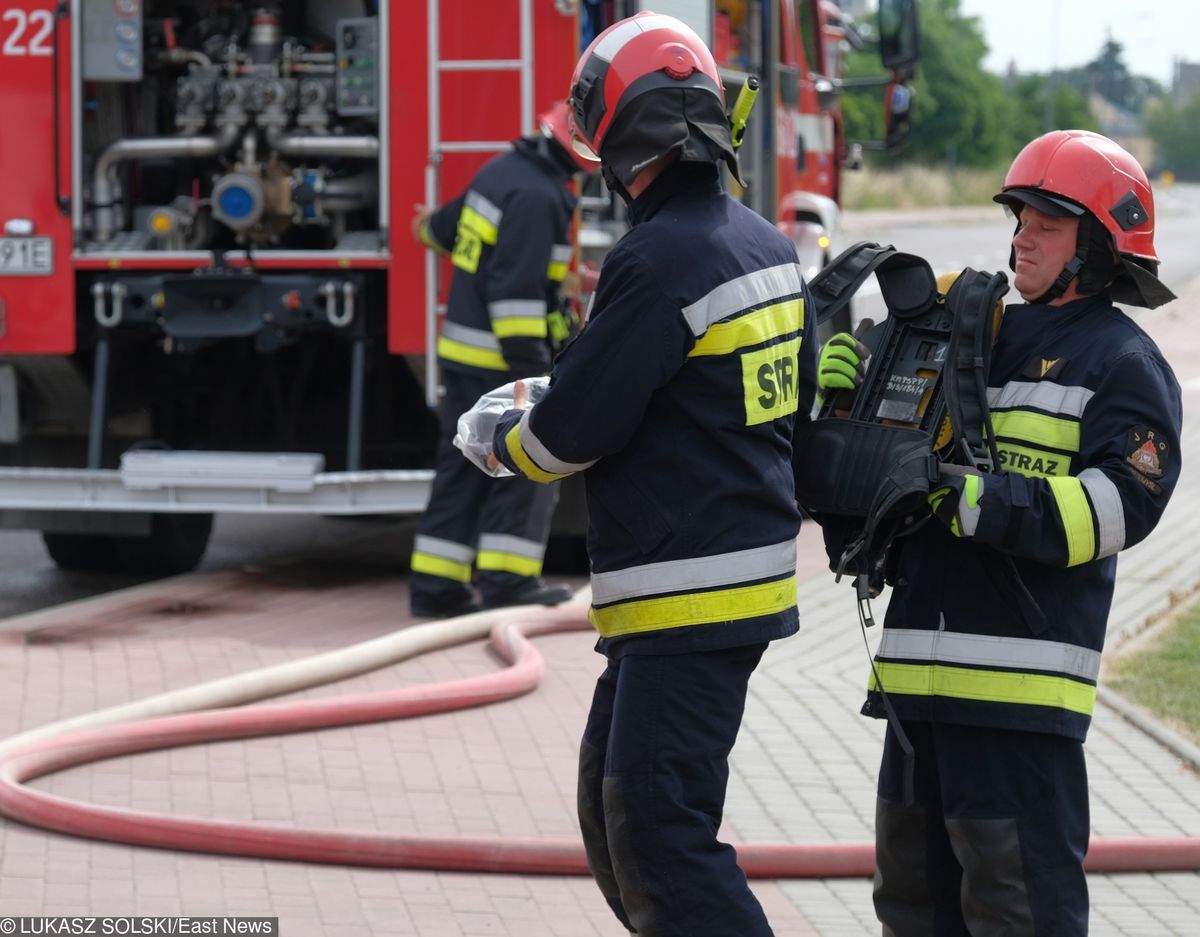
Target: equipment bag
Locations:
point(866, 462)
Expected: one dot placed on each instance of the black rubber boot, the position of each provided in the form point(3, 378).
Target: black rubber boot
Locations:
point(534, 592)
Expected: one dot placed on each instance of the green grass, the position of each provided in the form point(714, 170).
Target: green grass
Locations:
point(1164, 676)
point(918, 187)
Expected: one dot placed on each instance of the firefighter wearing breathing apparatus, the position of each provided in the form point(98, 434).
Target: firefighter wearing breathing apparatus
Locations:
point(677, 402)
point(508, 236)
point(984, 829)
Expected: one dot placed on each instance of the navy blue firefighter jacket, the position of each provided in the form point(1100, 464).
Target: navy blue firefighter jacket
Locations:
point(677, 402)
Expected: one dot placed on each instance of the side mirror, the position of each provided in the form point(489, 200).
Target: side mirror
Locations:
point(897, 114)
point(899, 36)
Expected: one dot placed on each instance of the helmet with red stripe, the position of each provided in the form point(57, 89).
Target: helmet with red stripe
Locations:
point(648, 86)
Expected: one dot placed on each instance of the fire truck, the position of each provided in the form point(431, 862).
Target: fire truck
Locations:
point(210, 300)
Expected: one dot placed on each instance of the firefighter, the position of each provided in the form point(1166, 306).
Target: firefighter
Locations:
point(991, 645)
point(677, 402)
point(508, 237)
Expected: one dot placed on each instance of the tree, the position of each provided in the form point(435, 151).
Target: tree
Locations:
point(959, 112)
point(1175, 130)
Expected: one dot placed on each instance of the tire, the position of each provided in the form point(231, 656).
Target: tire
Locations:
point(176, 544)
point(88, 553)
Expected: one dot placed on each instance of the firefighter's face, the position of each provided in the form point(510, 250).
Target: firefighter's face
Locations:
point(1042, 246)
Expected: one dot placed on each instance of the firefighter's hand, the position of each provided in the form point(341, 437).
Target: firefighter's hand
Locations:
point(520, 402)
point(955, 500)
point(842, 365)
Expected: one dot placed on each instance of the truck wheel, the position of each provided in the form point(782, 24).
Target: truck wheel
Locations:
point(176, 544)
point(89, 553)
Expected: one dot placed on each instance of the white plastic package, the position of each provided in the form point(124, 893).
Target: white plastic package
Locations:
point(477, 426)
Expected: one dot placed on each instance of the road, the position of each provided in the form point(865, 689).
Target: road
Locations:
point(950, 239)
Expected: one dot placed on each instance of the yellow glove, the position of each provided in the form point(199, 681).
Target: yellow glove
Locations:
point(842, 365)
point(955, 502)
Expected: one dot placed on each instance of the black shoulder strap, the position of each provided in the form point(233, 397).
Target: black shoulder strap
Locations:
point(972, 299)
point(836, 283)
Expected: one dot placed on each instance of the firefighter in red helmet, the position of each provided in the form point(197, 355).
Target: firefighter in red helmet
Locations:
point(677, 403)
point(991, 646)
point(509, 238)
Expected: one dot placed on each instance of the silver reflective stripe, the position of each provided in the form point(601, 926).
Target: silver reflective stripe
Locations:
point(1044, 395)
point(469, 336)
point(968, 516)
point(484, 207)
point(507, 543)
point(560, 253)
point(517, 309)
point(991, 651)
point(699, 572)
point(541, 455)
point(753, 289)
point(446, 549)
point(611, 44)
point(1109, 511)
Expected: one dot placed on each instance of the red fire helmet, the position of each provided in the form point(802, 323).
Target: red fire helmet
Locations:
point(1076, 170)
point(555, 123)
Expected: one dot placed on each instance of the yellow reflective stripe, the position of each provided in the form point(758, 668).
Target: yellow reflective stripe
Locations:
point(527, 466)
point(439, 566)
point(754, 328)
point(1032, 462)
point(508, 563)
point(557, 271)
point(1076, 514)
point(696, 608)
point(451, 350)
point(474, 222)
point(993, 686)
point(520, 327)
point(1037, 428)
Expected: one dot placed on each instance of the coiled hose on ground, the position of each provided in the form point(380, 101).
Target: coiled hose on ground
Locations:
point(192, 717)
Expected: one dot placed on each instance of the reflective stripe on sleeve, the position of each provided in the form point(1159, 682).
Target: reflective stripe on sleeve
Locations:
point(723, 569)
point(542, 461)
point(753, 289)
point(560, 261)
point(1076, 516)
point(475, 347)
point(518, 318)
point(696, 608)
point(1109, 511)
point(754, 328)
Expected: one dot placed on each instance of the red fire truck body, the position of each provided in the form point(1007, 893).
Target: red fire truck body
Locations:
point(210, 299)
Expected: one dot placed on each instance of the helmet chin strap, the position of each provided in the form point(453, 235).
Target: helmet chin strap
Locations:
point(1069, 272)
point(613, 183)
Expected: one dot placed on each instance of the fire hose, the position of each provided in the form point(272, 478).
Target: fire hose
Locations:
point(125, 730)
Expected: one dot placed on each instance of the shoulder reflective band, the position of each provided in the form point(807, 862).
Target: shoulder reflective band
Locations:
point(753, 328)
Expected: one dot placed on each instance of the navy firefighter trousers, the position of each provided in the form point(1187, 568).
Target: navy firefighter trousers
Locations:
point(653, 767)
point(995, 840)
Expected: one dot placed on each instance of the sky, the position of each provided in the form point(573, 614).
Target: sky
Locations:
point(1040, 35)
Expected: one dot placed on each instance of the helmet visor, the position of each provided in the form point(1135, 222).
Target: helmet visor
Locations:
point(1047, 204)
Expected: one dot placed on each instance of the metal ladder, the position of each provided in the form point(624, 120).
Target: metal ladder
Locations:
point(438, 147)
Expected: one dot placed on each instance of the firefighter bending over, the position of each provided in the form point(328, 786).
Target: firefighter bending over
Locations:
point(508, 238)
point(996, 701)
point(677, 402)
